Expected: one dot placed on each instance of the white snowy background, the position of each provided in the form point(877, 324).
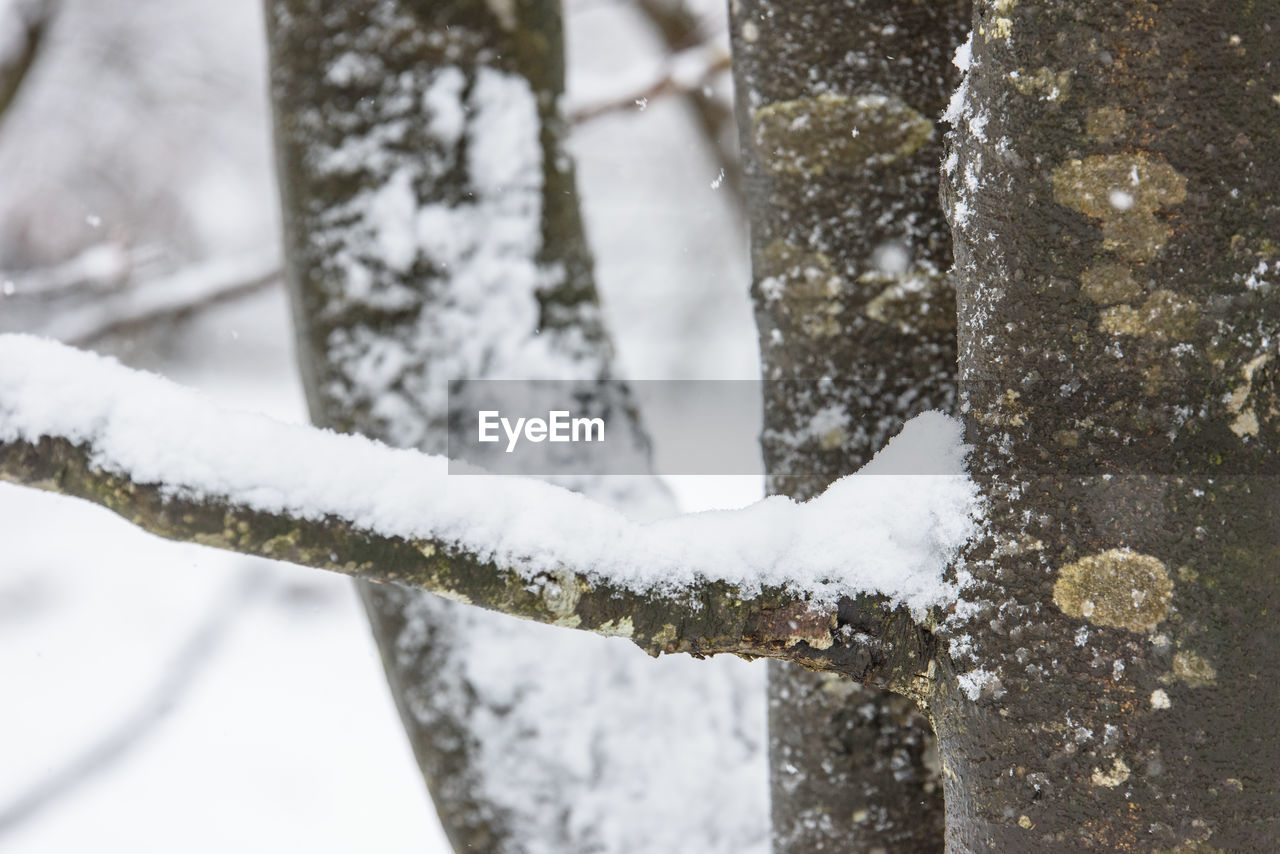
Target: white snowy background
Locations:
point(225, 703)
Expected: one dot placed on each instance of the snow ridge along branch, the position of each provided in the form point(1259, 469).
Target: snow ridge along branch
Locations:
point(838, 582)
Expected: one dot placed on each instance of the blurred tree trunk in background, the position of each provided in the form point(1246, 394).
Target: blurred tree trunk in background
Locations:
point(850, 251)
point(433, 233)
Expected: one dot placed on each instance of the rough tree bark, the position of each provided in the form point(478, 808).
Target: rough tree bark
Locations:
point(384, 113)
point(837, 103)
point(1113, 190)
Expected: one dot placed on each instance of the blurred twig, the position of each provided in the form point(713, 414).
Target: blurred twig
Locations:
point(183, 671)
point(674, 82)
point(681, 29)
point(168, 301)
point(688, 43)
point(90, 298)
point(14, 69)
point(99, 268)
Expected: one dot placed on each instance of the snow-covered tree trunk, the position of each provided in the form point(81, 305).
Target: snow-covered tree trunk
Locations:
point(434, 235)
point(837, 104)
point(1113, 186)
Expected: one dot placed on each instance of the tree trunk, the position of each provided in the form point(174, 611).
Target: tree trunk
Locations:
point(1112, 184)
point(433, 234)
point(857, 334)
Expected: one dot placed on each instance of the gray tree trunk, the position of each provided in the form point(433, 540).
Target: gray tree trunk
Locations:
point(419, 251)
point(1112, 671)
point(857, 333)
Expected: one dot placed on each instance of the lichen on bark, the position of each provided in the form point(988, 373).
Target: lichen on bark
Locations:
point(1117, 588)
point(808, 136)
point(1124, 192)
point(856, 323)
point(1104, 278)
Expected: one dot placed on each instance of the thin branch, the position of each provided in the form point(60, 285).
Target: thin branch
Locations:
point(805, 582)
point(681, 28)
point(160, 303)
point(95, 295)
point(678, 80)
point(14, 69)
point(164, 300)
point(100, 268)
point(715, 118)
point(726, 621)
point(181, 674)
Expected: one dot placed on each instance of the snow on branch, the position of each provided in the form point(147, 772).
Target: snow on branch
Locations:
point(756, 581)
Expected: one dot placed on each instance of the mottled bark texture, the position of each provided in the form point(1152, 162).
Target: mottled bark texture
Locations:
point(402, 122)
point(837, 103)
point(1114, 189)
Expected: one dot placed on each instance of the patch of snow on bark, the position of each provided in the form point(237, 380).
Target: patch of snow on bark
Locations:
point(392, 209)
point(446, 116)
point(964, 55)
point(956, 105)
point(979, 683)
point(479, 255)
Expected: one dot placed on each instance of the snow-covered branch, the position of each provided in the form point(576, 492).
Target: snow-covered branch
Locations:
point(823, 581)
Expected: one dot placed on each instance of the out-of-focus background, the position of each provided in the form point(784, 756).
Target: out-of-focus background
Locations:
point(161, 697)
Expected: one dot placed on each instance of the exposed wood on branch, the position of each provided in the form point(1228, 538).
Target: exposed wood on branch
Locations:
point(702, 619)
